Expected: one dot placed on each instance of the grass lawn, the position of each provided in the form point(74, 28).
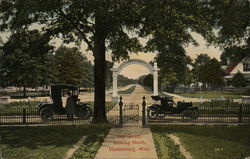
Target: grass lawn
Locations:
point(210, 95)
point(208, 142)
point(127, 91)
point(50, 142)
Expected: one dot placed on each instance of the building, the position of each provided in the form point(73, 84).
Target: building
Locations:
point(242, 67)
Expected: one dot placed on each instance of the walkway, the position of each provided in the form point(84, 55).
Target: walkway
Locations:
point(128, 143)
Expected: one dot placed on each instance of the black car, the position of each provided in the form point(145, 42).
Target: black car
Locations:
point(167, 107)
point(48, 110)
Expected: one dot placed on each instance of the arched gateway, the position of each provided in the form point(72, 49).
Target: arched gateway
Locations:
point(117, 69)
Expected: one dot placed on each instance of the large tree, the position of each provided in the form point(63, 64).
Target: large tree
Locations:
point(173, 63)
point(105, 25)
point(25, 60)
point(211, 73)
point(70, 66)
point(198, 64)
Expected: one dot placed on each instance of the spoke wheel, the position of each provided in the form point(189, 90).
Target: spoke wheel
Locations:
point(152, 113)
point(84, 112)
point(47, 114)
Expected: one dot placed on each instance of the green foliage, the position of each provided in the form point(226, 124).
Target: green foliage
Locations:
point(239, 80)
point(91, 143)
point(208, 71)
point(211, 94)
point(233, 54)
point(233, 18)
point(221, 142)
point(211, 73)
point(199, 62)
point(173, 64)
point(26, 60)
point(130, 90)
point(50, 142)
point(70, 65)
point(124, 81)
point(165, 147)
point(146, 81)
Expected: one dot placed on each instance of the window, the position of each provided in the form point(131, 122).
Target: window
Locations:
point(246, 67)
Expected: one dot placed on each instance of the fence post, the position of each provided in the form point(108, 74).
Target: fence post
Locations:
point(24, 115)
point(240, 114)
point(120, 110)
point(143, 111)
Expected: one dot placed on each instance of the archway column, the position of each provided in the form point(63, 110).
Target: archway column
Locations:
point(155, 74)
point(115, 75)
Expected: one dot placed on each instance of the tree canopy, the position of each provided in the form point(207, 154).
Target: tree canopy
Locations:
point(26, 60)
point(71, 66)
point(116, 25)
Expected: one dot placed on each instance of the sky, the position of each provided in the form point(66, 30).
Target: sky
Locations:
point(134, 71)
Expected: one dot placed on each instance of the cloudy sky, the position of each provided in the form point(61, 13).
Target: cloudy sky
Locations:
point(134, 71)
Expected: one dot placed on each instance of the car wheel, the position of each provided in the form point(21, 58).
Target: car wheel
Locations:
point(84, 112)
point(47, 114)
point(187, 114)
point(195, 114)
point(152, 113)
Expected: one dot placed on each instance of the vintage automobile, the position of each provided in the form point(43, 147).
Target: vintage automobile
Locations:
point(185, 109)
point(47, 111)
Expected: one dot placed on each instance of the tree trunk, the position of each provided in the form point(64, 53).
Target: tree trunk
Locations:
point(24, 91)
point(99, 75)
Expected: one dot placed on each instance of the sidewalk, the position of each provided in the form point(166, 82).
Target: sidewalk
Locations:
point(128, 143)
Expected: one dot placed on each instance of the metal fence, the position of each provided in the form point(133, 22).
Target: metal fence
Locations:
point(28, 115)
point(212, 112)
point(127, 113)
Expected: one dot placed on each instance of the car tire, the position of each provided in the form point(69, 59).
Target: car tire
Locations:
point(152, 113)
point(84, 112)
point(47, 114)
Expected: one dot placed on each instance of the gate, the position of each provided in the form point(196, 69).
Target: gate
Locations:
point(129, 113)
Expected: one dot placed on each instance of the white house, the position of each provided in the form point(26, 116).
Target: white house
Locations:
point(242, 66)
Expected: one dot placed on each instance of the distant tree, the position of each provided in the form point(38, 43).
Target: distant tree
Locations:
point(172, 61)
point(70, 66)
point(148, 81)
point(26, 60)
point(211, 73)
point(239, 80)
point(233, 54)
point(123, 81)
point(198, 64)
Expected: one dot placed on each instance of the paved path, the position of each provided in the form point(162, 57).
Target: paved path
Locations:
point(128, 143)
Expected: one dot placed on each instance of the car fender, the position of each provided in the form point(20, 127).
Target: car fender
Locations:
point(154, 106)
point(43, 105)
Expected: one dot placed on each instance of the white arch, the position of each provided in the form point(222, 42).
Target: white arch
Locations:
point(117, 69)
point(136, 61)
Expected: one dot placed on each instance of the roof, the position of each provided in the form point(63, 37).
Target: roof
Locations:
point(230, 67)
